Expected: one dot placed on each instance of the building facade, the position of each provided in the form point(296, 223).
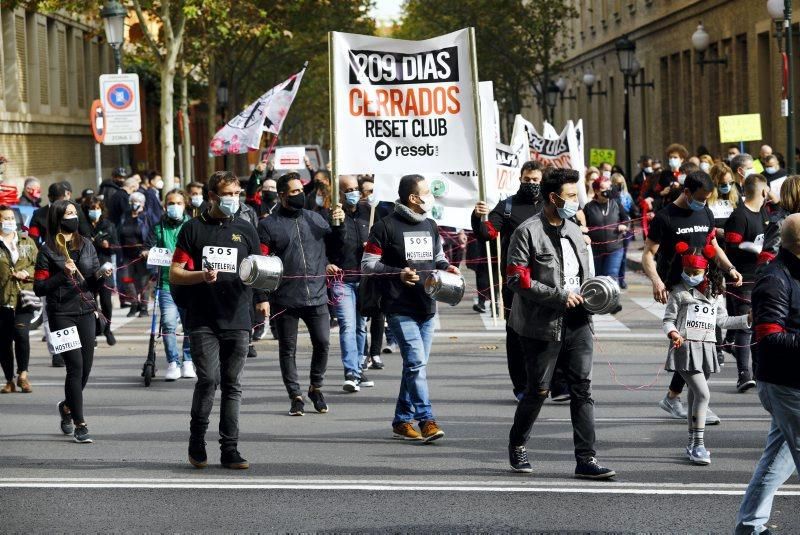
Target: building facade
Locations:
point(688, 98)
point(50, 66)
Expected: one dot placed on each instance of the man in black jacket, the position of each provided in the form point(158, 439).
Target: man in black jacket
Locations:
point(297, 236)
point(345, 249)
point(776, 355)
point(110, 187)
point(504, 219)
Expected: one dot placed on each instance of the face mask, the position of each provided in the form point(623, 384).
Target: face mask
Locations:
point(607, 174)
point(36, 194)
point(352, 197)
point(674, 163)
point(158, 184)
point(568, 210)
point(748, 172)
point(724, 189)
point(135, 206)
point(296, 202)
point(771, 170)
point(197, 200)
point(648, 170)
point(705, 166)
point(427, 202)
point(94, 215)
point(175, 212)
point(530, 190)
point(320, 200)
point(229, 205)
point(696, 205)
point(371, 199)
point(269, 197)
point(69, 224)
point(681, 179)
point(692, 280)
point(9, 226)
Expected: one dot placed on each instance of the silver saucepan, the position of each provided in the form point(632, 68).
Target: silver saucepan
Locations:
point(262, 272)
point(445, 287)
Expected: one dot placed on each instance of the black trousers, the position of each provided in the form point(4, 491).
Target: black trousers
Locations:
point(317, 320)
point(78, 361)
point(376, 330)
point(104, 296)
point(14, 328)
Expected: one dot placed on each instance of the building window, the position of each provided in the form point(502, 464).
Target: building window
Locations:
point(63, 91)
point(80, 59)
point(22, 60)
point(44, 66)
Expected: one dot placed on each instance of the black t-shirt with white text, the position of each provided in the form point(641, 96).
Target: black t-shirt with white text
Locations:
point(673, 224)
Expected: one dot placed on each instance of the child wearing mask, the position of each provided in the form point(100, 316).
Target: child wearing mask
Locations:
point(695, 308)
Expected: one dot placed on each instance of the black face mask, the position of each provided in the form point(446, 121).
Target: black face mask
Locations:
point(529, 190)
point(610, 194)
point(269, 197)
point(296, 202)
point(69, 225)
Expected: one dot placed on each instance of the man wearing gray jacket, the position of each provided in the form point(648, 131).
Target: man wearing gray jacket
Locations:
point(548, 260)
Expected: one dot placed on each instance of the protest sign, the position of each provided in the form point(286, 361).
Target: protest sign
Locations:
point(734, 128)
point(599, 156)
point(403, 106)
point(290, 157)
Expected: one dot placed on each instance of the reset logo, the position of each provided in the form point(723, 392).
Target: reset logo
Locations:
point(382, 151)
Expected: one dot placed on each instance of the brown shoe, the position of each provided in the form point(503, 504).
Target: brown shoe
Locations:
point(430, 431)
point(25, 385)
point(405, 431)
point(9, 388)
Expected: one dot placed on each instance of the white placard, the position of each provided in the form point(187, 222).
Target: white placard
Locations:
point(222, 258)
point(701, 322)
point(290, 157)
point(722, 209)
point(572, 268)
point(159, 256)
point(403, 106)
point(119, 94)
point(65, 340)
point(418, 246)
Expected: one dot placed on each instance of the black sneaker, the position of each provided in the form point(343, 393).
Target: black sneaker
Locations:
point(518, 459)
point(58, 360)
point(316, 397)
point(745, 381)
point(377, 363)
point(590, 469)
point(132, 312)
point(143, 311)
point(297, 407)
point(66, 419)
point(480, 308)
point(350, 383)
point(81, 435)
point(258, 333)
point(197, 454)
point(251, 352)
point(720, 358)
point(365, 381)
point(230, 458)
point(110, 338)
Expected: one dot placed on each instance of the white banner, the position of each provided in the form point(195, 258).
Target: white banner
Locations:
point(509, 162)
point(243, 132)
point(403, 106)
point(290, 157)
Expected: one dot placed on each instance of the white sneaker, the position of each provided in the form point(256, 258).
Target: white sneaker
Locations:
point(391, 348)
point(187, 370)
point(173, 372)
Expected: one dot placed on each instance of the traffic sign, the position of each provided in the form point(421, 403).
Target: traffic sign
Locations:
point(119, 95)
point(97, 121)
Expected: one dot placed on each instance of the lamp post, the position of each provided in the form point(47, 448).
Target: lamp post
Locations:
point(626, 54)
point(781, 13)
point(551, 98)
point(589, 79)
point(113, 14)
point(222, 100)
point(700, 42)
point(561, 84)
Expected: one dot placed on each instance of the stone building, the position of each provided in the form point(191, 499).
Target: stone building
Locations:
point(688, 98)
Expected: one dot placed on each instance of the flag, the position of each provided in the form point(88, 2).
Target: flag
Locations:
point(243, 132)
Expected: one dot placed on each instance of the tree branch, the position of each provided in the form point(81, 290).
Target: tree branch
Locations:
point(137, 6)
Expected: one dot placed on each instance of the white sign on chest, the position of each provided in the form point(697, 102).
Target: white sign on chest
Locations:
point(221, 258)
point(418, 246)
point(65, 340)
point(701, 322)
point(159, 256)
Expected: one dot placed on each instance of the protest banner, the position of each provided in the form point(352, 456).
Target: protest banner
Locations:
point(290, 157)
point(243, 133)
point(400, 106)
point(600, 156)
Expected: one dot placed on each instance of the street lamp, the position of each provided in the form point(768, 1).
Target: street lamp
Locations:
point(222, 100)
point(589, 78)
point(562, 87)
point(551, 98)
point(626, 54)
point(700, 42)
point(781, 13)
point(113, 14)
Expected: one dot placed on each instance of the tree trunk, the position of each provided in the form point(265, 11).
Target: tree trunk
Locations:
point(166, 113)
point(212, 113)
point(188, 175)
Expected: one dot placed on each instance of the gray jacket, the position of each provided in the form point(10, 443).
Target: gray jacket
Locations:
point(539, 310)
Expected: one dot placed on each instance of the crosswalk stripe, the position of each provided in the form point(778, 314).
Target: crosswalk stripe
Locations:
point(652, 306)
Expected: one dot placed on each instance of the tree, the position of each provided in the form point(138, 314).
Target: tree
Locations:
point(519, 42)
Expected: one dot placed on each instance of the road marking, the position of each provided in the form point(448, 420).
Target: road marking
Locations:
point(115, 324)
point(651, 305)
point(611, 487)
point(602, 324)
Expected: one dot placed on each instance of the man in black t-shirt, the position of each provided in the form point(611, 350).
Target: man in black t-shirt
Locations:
point(744, 239)
point(207, 257)
point(687, 219)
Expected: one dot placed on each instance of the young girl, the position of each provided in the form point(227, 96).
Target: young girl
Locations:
point(695, 308)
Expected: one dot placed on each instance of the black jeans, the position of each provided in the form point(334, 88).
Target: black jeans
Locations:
point(104, 296)
point(77, 361)
point(739, 305)
point(574, 355)
point(14, 328)
point(318, 321)
point(514, 353)
point(376, 329)
point(219, 358)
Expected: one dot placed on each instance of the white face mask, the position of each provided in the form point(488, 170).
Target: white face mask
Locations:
point(648, 170)
point(748, 172)
point(674, 163)
point(197, 200)
point(158, 184)
point(607, 174)
point(9, 226)
point(705, 166)
point(681, 179)
point(427, 202)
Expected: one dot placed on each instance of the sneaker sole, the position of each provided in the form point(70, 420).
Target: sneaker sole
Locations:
point(560, 399)
point(603, 476)
point(397, 436)
point(699, 461)
point(83, 440)
point(746, 386)
point(435, 436)
point(713, 422)
point(666, 408)
point(198, 464)
point(296, 413)
point(236, 466)
point(350, 387)
point(322, 411)
point(522, 470)
point(373, 367)
point(72, 430)
point(370, 384)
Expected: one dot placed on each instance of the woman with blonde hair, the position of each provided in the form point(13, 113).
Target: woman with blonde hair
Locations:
point(706, 163)
point(724, 197)
point(788, 205)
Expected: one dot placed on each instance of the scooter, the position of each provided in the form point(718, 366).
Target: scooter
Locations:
point(149, 368)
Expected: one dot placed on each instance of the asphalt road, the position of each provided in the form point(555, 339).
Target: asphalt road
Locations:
point(342, 472)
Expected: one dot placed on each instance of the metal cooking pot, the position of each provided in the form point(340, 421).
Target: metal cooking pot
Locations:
point(445, 287)
point(600, 294)
point(262, 272)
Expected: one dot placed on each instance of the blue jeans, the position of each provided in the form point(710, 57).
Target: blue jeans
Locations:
point(414, 338)
point(780, 459)
point(169, 322)
point(352, 326)
point(608, 263)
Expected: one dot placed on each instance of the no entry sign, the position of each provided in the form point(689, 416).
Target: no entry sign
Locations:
point(119, 94)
